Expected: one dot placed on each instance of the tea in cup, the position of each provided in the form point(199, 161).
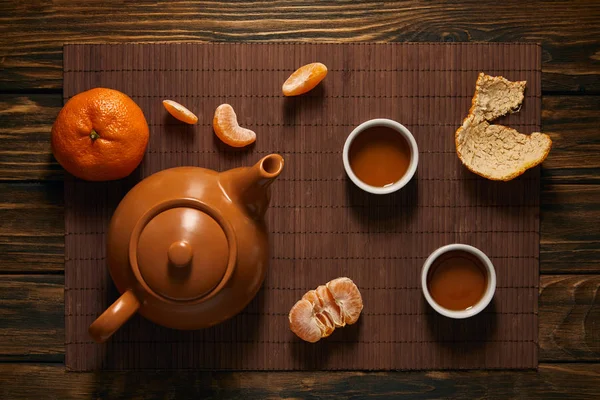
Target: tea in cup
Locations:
point(458, 281)
point(380, 156)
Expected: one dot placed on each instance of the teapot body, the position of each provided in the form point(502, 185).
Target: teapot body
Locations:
point(250, 233)
point(188, 247)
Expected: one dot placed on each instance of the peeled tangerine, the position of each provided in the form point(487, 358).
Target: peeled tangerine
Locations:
point(304, 79)
point(336, 304)
point(228, 130)
point(498, 152)
point(180, 112)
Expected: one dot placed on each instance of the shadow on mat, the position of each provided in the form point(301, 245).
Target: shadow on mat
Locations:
point(381, 213)
point(316, 356)
point(463, 335)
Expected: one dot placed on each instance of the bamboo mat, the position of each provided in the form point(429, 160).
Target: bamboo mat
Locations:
point(321, 225)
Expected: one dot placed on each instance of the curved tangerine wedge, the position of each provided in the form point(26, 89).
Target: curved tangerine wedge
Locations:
point(320, 311)
point(304, 323)
point(228, 130)
point(329, 307)
point(304, 79)
point(180, 112)
point(347, 297)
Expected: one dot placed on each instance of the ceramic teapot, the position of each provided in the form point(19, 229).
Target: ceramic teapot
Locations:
point(187, 246)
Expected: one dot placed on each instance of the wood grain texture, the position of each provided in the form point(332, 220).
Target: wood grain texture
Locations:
point(31, 56)
point(25, 125)
point(571, 121)
point(570, 229)
point(32, 317)
point(23, 381)
point(32, 33)
point(32, 231)
point(570, 310)
point(32, 227)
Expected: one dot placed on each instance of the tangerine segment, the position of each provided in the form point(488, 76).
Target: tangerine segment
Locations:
point(347, 297)
point(304, 323)
point(329, 307)
point(180, 112)
point(321, 312)
point(304, 79)
point(311, 296)
point(228, 130)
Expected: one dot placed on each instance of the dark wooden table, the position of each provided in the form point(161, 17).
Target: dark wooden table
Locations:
point(31, 204)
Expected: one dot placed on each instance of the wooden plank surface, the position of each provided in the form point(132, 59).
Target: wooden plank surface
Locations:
point(32, 232)
point(32, 32)
point(573, 124)
point(570, 229)
point(25, 125)
point(569, 315)
point(31, 62)
point(48, 381)
point(32, 227)
point(571, 121)
point(32, 317)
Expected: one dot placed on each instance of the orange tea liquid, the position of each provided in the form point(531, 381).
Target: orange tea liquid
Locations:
point(379, 156)
point(457, 280)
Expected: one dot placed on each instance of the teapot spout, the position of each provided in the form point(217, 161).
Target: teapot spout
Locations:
point(267, 169)
point(249, 186)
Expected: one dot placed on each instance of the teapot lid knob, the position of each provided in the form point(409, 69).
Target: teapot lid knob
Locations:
point(180, 253)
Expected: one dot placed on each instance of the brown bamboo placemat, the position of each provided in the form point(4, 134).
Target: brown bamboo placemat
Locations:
point(321, 225)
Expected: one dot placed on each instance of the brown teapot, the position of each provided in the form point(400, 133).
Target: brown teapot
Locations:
point(187, 246)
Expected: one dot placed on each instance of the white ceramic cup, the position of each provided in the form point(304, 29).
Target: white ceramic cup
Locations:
point(489, 291)
point(412, 166)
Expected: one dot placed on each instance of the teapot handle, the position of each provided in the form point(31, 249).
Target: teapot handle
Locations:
point(114, 317)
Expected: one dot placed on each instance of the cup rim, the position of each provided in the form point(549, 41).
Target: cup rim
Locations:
point(489, 292)
point(414, 155)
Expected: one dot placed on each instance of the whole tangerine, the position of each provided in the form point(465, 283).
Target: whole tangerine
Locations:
point(100, 135)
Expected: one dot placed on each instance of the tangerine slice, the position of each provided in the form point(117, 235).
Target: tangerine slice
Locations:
point(329, 307)
point(228, 130)
point(180, 112)
point(347, 297)
point(311, 296)
point(303, 322)
point(320, 311)
point(304, 79)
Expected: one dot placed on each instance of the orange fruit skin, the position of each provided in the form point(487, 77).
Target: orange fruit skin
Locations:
point(180, 112)
point(122, 135)
point(304, 79)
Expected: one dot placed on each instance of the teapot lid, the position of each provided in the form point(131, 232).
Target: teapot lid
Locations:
point(183, 249)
